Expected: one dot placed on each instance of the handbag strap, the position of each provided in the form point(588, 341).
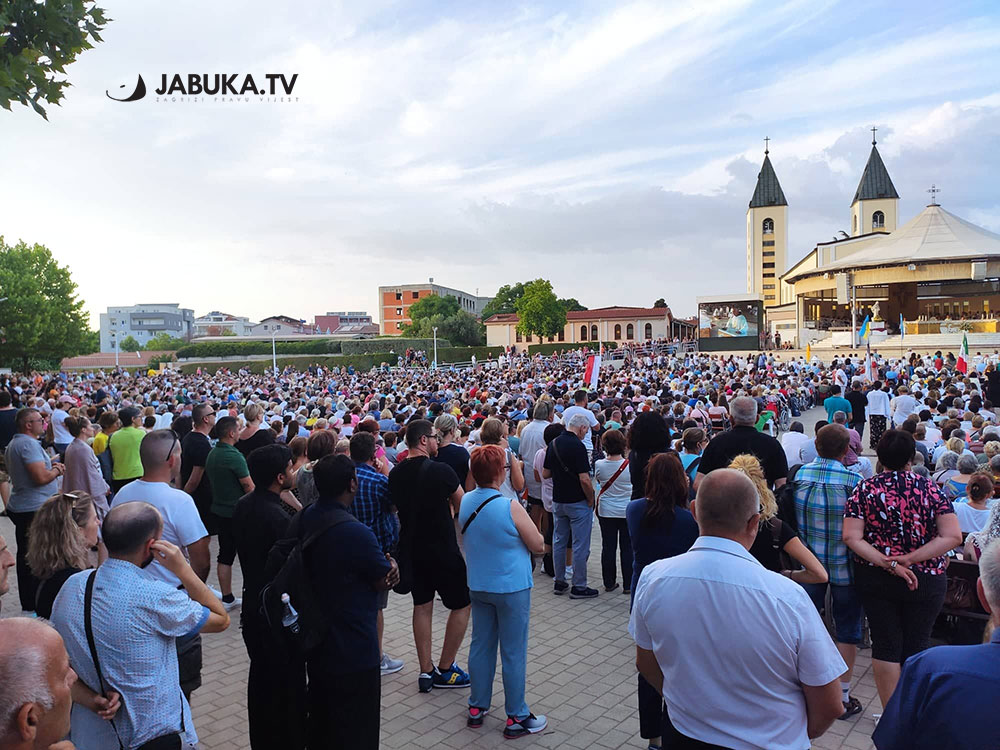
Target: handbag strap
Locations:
point(613, 478)
point(88, 598)
point(475, 513)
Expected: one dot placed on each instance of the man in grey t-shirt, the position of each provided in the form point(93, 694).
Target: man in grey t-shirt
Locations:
point(33, 478)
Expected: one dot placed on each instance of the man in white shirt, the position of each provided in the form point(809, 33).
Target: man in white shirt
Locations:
point(580, 407)
point(903, 405)
point(792, 442)
point(60, 435)
point(761, 649)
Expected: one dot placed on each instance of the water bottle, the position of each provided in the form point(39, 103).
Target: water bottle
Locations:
point(290, 618)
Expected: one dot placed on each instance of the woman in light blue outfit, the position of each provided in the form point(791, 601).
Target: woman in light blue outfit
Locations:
point(499, 539)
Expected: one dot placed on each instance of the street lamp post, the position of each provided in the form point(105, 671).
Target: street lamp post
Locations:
point(274, 353)
point(435, 347)
point(114, 344)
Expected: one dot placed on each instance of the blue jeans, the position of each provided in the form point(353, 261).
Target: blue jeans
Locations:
point(499, 618)
point(580, 518)
point(848, 615)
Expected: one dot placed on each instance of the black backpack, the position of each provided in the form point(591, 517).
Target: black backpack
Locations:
point(287, 573)
point(785, 497)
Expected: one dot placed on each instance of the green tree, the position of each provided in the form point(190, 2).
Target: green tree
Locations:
point(91, 342)
point(660, 303)
point(433, 304)
point(505, 300)
point(461, 329)
point(129, 344)
point(571, 304)
point(42, 318)
point(37, 42)
point(164, 342)
point(539, 311)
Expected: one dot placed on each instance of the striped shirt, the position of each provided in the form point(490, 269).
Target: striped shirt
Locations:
point(822, 488)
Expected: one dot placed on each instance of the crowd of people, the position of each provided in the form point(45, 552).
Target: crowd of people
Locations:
point(331, 488)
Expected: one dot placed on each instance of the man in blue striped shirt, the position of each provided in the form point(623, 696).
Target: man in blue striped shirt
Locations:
point(371, 507)
point(822, 488)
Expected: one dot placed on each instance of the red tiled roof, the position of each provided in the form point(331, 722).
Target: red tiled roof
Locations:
point(107, 359)
point(600, 313)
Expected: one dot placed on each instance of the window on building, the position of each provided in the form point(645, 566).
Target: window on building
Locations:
point(768, 296)
point(583, 333)
point(630, 331)
point(768, 243)
point(769, 286)
point(768, 226)
point(649, 332)
point(399, 311)
point(593, 334)
point(768, 275)
point(768, 265)
point(768, 253)
point(618, 332)
point(878, 220)
point(561, 336)
point(399, 296)
point(517, 337)
point(399, 326)
point(854, 224)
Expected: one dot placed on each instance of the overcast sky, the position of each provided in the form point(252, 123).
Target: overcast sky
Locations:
point(612, 150)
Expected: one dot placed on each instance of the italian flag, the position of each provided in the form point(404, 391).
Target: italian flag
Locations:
point(593, 370)
point(963, 356)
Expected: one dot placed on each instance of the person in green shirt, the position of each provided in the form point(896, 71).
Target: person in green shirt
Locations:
point(835, 402)
point(124, 447)
point(230, 480)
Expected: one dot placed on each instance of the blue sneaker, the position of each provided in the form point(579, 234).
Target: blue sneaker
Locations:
point(530, 725)
point(453, 677)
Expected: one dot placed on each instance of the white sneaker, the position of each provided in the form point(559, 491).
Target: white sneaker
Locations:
point(390, 665)
point(569, 574)
point(230, 606)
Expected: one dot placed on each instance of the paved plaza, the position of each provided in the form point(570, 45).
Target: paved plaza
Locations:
point(581, 675)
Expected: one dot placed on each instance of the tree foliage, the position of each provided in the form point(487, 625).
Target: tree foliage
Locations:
point(162, 342)
point(129, 344)
point(539, 311)
point(445, 313)
point(91, 342)
point(660, 303)
point(505, 300)
point(571, 304)
point(37, 42)
point(41, 317)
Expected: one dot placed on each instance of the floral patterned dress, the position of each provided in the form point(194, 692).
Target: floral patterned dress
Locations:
point(900, 511)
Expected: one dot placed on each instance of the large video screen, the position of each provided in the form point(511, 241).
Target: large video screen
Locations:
point(729, 325)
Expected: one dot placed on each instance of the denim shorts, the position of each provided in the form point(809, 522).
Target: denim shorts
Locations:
point(848, 614)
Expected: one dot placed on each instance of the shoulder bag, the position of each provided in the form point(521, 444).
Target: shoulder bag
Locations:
point(475, 513)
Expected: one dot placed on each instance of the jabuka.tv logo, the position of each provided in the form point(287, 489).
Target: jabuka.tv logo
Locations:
point(216, 87)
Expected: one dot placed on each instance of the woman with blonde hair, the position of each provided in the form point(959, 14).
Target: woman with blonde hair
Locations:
point(62, 534)
point(254, 435)
point(494, 432)
point(777, 546)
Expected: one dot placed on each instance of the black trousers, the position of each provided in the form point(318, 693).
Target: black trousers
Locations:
point(859, 427)
point(344, 710)
point(614, 540)
point(653, 720)
point(189, 661)
point(27, 584)
point(276, 693)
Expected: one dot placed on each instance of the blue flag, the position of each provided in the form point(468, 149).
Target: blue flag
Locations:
point(902, 327)
point(865, 328)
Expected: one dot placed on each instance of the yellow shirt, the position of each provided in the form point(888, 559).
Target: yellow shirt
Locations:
point(100, 442)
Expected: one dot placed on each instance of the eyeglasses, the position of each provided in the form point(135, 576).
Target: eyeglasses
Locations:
point(172, 444)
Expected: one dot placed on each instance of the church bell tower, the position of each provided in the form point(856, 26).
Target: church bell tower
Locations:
point(876, 201)
point(767, 234)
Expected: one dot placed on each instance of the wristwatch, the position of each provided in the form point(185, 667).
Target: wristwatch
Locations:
point(892, 565)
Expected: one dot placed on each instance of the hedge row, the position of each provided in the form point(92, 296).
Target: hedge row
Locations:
point(244, 348)
point(397, 344)
point(565, 346)
point(363, 362)
point(464, 353)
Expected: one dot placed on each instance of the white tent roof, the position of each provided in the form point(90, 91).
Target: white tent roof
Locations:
point(932, 235)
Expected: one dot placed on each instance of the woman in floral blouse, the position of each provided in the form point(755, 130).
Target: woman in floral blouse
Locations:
point(899, 526)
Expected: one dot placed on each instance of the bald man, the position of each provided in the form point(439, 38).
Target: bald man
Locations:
point(762, 649)
point(37, 681)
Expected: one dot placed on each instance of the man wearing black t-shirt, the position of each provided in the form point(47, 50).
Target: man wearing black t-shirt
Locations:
point(745, 438)
point(195, 448)
point(427, 495)
point(276, 687)
point(859, 402)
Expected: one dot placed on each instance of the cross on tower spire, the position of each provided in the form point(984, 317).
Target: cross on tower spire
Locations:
point(934, 190)
point(766, 141)
point(873, 135)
